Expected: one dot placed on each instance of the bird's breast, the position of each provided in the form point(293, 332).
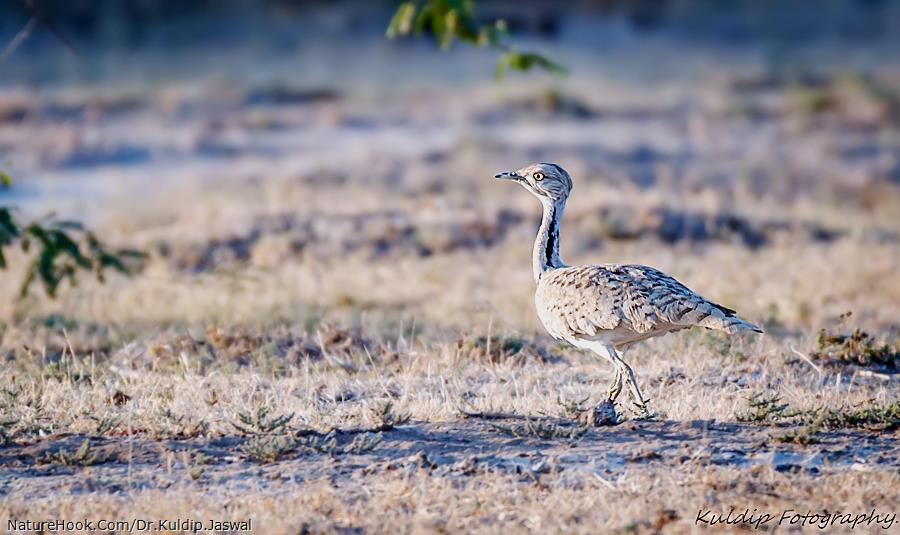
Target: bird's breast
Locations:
point(551, 313)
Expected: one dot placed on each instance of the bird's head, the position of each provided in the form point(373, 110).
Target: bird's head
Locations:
point(546, 181)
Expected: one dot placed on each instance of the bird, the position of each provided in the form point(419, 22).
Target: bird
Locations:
point(605, 308)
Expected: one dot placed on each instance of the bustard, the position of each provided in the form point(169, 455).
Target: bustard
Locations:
point(607, 307)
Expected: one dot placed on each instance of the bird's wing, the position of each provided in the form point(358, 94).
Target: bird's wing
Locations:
point(590, 299)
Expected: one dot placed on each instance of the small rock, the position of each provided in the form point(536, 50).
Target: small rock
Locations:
point(603, 414)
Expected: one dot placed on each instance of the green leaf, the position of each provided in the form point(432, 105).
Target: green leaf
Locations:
point(65, 249)
point(5, 179)
point(401, 22)
point(48, 275)
point(64, 243)
point(449, 20)
point(28, 280)
point(8, 227)
point(523, 61)
point(38, 232)
point(531, 59)
point(422, 19)
point(450, 23)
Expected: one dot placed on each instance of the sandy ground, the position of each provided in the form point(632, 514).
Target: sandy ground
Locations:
point(452, 449)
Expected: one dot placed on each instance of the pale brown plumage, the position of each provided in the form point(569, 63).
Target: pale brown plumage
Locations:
point(609, 306)
point(623, 304)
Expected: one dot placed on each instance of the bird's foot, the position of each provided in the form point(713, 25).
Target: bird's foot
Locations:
point(642, 411)
point(602, 415)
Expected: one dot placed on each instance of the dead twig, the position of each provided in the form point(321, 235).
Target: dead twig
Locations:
point(878, 375)
point(807, 359)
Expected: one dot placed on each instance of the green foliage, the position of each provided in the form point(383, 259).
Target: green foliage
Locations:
point(450, 20)
point(523, 61)
point(105, 424)
point(261, 422)
point(859, 348)
point(871, 417)
point(876, 418)
point(386, 417)
point(83, 456)
point(266, 449)
point(573, 408)
point(328, 444)
point(763, 408)
point(768, 410)
point(62, 249)
point(542, 429)
point(7, 431)
point(183, 426)
point(804, 436)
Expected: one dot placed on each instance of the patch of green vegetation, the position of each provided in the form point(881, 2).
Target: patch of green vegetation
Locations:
point(7, 431)
point(859, 348)
point(497, 349)
point(27, 407)
point(573, 408)
point(267, 449)
point(85, 455)
point(804, 435)
point(503, 345)
point(388, 419)
point(763, 408)
point(870, 417)
point(545, 430)
point(63, 250)
point(105, 424)
point(450, 20)
point(768, 410)
point(183, 426)
point(261, 422)
point(328, 444)
point(363, 443)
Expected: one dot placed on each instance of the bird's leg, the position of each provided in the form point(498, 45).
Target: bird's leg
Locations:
point(639, 400)
point(615, 388)
point(605, 412)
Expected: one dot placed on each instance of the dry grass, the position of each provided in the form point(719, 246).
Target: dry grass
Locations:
point(639, 502)
point(296, 302)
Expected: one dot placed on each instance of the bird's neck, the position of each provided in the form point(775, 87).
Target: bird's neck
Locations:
point(546, 245)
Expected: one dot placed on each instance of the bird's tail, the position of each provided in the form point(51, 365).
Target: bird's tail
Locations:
point(730, 324)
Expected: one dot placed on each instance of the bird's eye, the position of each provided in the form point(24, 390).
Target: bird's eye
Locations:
point(538, 176)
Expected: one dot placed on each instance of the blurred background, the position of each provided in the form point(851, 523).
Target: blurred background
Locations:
point(285, 161)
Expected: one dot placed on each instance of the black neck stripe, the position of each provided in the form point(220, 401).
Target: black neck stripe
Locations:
point(551, 237)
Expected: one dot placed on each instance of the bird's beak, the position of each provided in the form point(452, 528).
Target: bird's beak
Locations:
point(508, 175)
